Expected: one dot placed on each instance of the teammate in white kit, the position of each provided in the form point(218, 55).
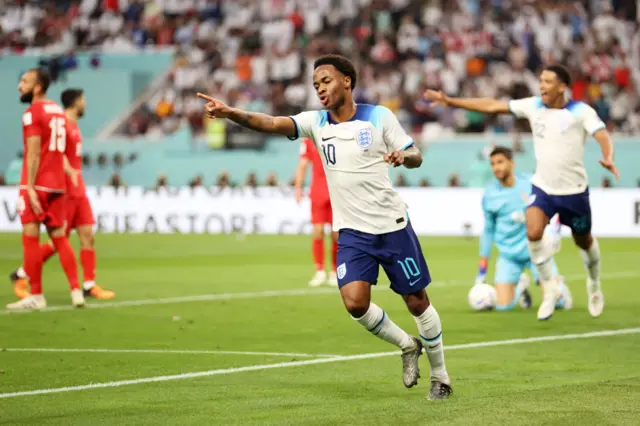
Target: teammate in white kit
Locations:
point(358, 143)
point(560, 127)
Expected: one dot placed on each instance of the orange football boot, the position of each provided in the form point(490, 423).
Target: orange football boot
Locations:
point(99, 293)
point(20, 285)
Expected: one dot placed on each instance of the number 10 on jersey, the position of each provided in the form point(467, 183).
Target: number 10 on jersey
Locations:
point(329, 152)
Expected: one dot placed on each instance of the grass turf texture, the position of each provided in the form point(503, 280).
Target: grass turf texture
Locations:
point(581, 381)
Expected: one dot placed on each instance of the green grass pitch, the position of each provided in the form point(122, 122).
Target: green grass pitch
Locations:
point(210, 296)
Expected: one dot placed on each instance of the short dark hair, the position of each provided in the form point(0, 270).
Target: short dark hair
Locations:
point(42, 78)
point(562, 72)
point(502, 150)
point(339, 62)
point(70, 96)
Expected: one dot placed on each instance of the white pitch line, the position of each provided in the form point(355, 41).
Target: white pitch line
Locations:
point(226, 371)
point(166, 352)
point(273, 293)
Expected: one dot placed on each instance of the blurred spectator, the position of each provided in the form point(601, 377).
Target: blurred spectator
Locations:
point(401, 181)
point(2, 180)
point(252, 180)
point(118, 160)
point(116, 182)
point(424, 183)
point(606, 183)
point(454, 181)
point(223, 181)
point(161, 182)
point(272, 179)
point(195, 182)
point(102, 159)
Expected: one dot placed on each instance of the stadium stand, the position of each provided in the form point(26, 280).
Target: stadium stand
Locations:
point(257, 55)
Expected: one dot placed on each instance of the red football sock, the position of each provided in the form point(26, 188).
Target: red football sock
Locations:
point(32, 262)
point(46, 251)
point(318, 253)
point(334, 254)
point(67, 260)
point(88, 261)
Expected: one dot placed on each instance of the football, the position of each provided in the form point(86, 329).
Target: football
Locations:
point(482, 297)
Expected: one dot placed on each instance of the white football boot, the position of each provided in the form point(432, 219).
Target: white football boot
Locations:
point(319, 278)
point(77, 298)
point(29, 303)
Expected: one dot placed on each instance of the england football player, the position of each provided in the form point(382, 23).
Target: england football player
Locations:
point(560, 127)
point(504, 203)
point(358, 143)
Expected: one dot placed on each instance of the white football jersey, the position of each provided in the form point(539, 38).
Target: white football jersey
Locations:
point(362, 197)
point(559, 135)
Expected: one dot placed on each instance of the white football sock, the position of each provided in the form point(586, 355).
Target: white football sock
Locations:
point(591, 260)
point(379, 324)
point(430, 330)
point(542, 255)
point(21, 273)
point(88, 285)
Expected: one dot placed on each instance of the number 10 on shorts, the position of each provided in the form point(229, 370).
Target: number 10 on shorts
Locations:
point(409, 267)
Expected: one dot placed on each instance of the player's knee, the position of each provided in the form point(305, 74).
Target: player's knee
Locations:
point(416, 303)
point(57, 232)
point(535, 233)
point(356, 307)
point(318, 231)
point(86, 241)
point(584, 241)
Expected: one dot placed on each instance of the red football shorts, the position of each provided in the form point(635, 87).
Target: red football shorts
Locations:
point(321, 212)
point(53, 209)
point(79, 212)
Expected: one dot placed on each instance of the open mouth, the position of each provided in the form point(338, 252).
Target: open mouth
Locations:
point(324, 100)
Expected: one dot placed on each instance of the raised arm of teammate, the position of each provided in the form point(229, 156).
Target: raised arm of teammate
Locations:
point(252, 120)
point(606, 144)
point(485, 105)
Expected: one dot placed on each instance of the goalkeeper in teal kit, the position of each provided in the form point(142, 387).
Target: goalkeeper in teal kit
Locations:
point(504, 203)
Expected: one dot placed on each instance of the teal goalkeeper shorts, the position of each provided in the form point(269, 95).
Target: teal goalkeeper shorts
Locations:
point(508, 271)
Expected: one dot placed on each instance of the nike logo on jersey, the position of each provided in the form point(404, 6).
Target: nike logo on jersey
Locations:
point(412, 283)
point(327, 139)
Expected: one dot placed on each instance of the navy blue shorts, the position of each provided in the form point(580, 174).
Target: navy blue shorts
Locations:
point(574, 210)
point(360, 256)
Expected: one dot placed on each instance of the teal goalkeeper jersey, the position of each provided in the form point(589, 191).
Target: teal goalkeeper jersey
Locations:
point(504, 215)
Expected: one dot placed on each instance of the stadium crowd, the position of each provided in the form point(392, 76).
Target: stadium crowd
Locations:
point(257, 54)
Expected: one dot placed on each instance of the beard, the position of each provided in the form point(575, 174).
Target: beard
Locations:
point(81, 113)
point(26, 98)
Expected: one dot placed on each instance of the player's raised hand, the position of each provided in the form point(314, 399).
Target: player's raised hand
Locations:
point(394, 157)
point(214, 108)
point(34, 201)
point(436, 97)
point(609, 165)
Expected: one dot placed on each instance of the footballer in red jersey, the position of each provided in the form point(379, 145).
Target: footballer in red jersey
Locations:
point(79, 215)
point(321, 213)
point(42, 186)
